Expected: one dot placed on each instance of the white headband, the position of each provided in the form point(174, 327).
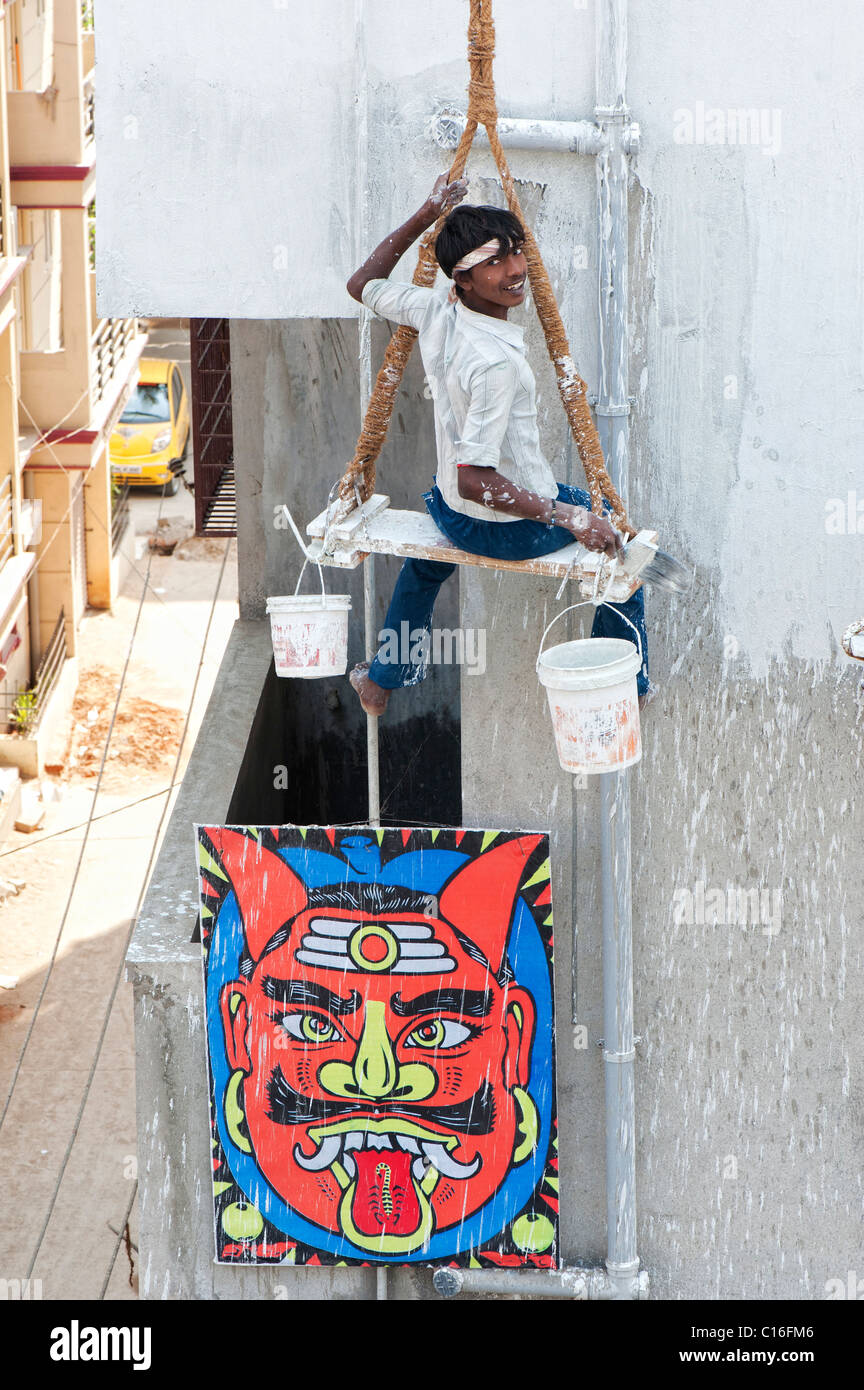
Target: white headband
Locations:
point(482, 253)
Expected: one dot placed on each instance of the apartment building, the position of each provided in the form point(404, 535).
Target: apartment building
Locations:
point(64, 373)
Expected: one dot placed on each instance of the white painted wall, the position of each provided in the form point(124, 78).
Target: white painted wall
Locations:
point(753, 258)
point(227, 162)
point(228, 151)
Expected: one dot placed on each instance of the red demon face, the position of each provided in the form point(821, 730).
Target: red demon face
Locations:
point(380, 1065)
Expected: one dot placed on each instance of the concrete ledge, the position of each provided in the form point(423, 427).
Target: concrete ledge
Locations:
point(30, 752)
point(161, 942)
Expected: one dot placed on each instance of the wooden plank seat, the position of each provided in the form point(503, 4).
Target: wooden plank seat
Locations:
point(376, 528)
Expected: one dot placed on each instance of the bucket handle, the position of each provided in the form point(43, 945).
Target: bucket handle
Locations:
point(597, 603)
point(569, 609)
point(320, 576)
point(306, 556)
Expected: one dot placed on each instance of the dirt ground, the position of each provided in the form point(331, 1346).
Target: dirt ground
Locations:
point(144, 740)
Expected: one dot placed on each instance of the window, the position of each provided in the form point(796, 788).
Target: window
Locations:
point(41, 282)
point(149, 401)
point(31, 46)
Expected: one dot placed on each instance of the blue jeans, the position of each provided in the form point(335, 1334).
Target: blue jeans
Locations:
point(419, 581)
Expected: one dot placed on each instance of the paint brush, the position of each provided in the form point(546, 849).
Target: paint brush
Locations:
point(644, 560)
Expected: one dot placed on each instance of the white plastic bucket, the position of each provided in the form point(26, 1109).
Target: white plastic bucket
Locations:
point(310, 634)
point(591, 687)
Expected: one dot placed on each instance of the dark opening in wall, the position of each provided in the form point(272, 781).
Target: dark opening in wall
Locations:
point(305, 762)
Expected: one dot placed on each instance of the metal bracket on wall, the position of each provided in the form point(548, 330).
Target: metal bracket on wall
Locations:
point(607, 410)
point(619, 1056)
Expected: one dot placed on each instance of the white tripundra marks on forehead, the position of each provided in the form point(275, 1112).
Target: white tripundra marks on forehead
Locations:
point(409, 948)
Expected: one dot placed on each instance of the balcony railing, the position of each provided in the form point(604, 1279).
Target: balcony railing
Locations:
point(108, 347)
point(7, 528)
point(24, 709)
point(89, 111)
point(119, 515)
point(91, 235)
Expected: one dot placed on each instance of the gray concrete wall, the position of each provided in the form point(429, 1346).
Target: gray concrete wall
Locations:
point(296, 393)
point(296, 386)
point(262, 179)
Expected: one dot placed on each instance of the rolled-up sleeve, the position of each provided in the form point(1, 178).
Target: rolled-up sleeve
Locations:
point(493, 388)
point(399, 302)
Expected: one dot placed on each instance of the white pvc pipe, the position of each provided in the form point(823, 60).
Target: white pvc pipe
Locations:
point(577, 1284)
point(613, 424)
point(518, 133)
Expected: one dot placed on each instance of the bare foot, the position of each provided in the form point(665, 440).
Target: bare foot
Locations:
point(373, 697)
point(647, 697)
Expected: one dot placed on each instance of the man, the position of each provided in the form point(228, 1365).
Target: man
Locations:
point(495, 493)
point(379, 1047)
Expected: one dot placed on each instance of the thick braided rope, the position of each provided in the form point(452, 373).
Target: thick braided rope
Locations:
point(359, 476)
point(572, 388)
point(482, 105)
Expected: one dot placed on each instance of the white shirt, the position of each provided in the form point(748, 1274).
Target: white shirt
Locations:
point(482, 387)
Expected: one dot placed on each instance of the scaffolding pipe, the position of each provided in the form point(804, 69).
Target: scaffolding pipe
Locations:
point(613, 424)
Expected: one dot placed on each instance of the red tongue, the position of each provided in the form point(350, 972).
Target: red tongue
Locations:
point(385, 1199)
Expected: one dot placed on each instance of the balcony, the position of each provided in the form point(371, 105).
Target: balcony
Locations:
point(110, 344)
point(34, 716)
point(46, 128)
point(73, 395)
point(54, 128)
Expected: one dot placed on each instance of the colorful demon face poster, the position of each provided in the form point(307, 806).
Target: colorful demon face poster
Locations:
point(380, 1024)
